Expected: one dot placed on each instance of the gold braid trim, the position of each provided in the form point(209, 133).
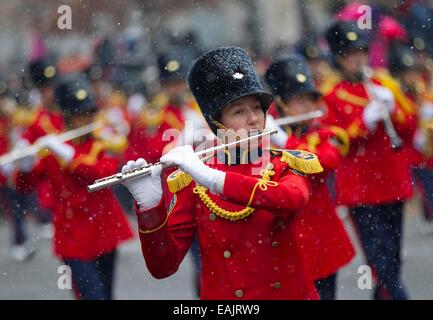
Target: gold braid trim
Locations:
point(220, 212)
point(343, 139)
point(154, 229)
point(351, 98)
point(392, 84)
point(262, 183)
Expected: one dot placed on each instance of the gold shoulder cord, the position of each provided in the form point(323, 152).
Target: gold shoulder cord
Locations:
point(262, 183)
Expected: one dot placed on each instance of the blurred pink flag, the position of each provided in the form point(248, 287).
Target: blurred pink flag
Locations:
point(37, 46)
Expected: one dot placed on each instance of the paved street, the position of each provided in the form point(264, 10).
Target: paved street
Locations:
point(37, 279)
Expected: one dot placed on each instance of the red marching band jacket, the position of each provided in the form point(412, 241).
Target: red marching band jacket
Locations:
point(252, 257)
point(372, 173)
point(86, 225)
point(321, 236)
point(148, 135)
point(4, 143)
point(46, 122)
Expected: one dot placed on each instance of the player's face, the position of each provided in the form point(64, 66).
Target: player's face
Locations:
point(77, 121)
point(245, 117)
point(412, 79)
point(244, 113)
point(299, 105)
point(353, 61)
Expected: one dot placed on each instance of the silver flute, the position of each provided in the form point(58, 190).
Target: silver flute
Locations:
point(17, 154)
point(299, 118)
point(394, 138)
point(146, 170)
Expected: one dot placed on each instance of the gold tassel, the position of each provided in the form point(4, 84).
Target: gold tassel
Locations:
point(302, 161)
point(178, 180)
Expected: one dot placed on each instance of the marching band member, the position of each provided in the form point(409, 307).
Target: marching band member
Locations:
point(244, 221)
point(373, 180)
point(412, 90)
point(148, 134)
point(88, 228)
point(320, 233)
point(47, 120)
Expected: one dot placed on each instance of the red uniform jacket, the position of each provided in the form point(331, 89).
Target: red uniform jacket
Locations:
point(151, 133)
point(372, 173)
point(320, 233)
point(46, 122)
point(86, 224)
point(4, 143)
point(252, 258)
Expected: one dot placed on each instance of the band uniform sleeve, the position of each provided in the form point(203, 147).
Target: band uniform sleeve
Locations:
point(164, 249)
point(290, 193)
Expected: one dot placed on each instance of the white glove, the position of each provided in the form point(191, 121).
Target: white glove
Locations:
point(62, 150)
point(21, 144)
point(185, 158)
point(419, 140)
point(373, 113)
point(385, 96)
point(27, 164)
point(426, 111)
point(280, 138)
point(147, 190)
point(7, 169)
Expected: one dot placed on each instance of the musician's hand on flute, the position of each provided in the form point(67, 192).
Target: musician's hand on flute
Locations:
point(385, 96)
point(419, 140)
point(374, 112)
point(27, 163)
point(279, 139)
point(372, 115)
point(146, 190)
point(62, 150)
point(185, 158)
point(7, 169)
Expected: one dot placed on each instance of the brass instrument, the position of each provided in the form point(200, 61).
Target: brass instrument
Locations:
point(15, 155)
point(120, 177)
point(396, 141)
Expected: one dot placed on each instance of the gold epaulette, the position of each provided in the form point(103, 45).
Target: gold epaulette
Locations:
point(330, 81)
point(160, 100)
point(300, 160)
point(343, 139)
point(178, 180)
point(117, 144)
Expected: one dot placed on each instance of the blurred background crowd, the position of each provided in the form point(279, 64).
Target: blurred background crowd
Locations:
point(136, 54)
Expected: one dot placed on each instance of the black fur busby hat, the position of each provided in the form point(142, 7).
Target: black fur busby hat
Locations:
point(43, 71)
point(221, 76)
point(74, 96)
point(290, 76)
point(344, 36)
point(401, 58)
point(309, 48)
point(174, 64)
